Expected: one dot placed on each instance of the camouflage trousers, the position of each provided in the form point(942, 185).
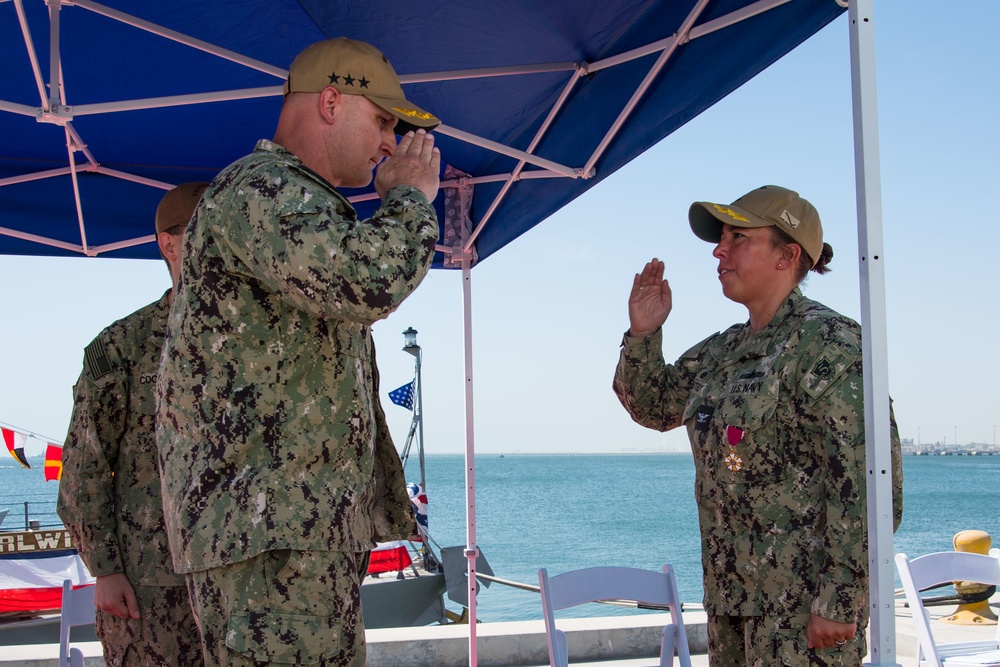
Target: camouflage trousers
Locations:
point(772, 641)
point(281, 607)
point(165, 635)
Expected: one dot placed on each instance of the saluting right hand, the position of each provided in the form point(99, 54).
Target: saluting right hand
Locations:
point(416, 161)
point(650, 301)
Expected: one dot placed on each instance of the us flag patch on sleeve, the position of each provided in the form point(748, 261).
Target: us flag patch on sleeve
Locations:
point(95, 358)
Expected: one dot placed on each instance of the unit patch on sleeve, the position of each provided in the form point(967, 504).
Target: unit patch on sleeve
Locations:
point(829, 366)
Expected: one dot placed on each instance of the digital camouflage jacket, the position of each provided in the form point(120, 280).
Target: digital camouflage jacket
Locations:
point(109, 494)
point(776, 425)
point(271, 433)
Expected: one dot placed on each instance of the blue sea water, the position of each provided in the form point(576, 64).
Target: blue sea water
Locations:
point(570, 511)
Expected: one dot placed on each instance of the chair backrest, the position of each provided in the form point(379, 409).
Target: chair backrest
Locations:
point(613, 583)
point(933, 570)
point(77, 609)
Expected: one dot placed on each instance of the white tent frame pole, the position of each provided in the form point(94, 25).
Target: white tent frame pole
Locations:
point(78, 144)
point(516, 172)
point(671, 46)
point(36, 176)
point(483, 72)
point(53, 96)
point(175, 100)
point(74, 179)
point(496, 147)
point(118, 245)
point(29, 45)
point(55, 101)
point(41, 240)
point(471, 546)
point(735, 17)
point(132, 178)
point(878, 449)
point(136, 22)
point(93, 251)
point(19, 109)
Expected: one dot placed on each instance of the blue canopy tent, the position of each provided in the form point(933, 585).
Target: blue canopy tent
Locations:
point(540, 101)
point(103, 106)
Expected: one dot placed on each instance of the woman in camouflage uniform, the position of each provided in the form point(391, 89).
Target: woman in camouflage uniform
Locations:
point(774, 409)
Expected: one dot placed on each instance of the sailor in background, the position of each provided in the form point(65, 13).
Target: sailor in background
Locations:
point(109, 494)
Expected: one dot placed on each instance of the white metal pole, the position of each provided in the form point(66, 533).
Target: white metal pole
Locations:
point(420, 419)
point(54, 55)
point(878, 450)
point(471, 549)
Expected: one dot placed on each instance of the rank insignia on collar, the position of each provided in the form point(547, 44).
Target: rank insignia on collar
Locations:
point(702, 417)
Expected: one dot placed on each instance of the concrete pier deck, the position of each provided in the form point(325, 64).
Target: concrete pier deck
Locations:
point(610, 641)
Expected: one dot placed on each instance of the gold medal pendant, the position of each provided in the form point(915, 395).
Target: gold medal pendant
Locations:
point(733, 460)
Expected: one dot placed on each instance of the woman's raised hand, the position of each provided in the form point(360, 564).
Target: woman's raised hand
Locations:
point(650, 301)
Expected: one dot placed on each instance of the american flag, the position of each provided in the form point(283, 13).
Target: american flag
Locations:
point(403, 396)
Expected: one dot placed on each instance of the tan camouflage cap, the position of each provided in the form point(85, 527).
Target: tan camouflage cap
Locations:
point(767, 206)
point(356, 68)
point(178, 205)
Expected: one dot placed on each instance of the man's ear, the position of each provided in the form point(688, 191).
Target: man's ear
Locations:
point(330, 101)
point(170, 246)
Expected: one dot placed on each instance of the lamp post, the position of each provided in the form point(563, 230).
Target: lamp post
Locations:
point(410, 345)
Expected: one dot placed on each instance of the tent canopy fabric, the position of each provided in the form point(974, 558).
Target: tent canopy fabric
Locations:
point(540, 100)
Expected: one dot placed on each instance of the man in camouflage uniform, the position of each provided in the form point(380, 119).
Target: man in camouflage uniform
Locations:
point(109, 494)
point(278, 469)
point(775, 416)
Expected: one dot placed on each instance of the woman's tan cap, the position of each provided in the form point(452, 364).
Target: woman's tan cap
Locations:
point(767, 206)
point(356, 68)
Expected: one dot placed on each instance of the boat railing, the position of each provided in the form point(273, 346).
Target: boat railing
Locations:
point(32, 512)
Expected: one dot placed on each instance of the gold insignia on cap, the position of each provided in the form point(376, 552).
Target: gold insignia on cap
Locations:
point(730, 212)
point(413, 113)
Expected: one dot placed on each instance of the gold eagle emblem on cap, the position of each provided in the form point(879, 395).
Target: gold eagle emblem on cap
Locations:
point(413, 113)
point(730, 212)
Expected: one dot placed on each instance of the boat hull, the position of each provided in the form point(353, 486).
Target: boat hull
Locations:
point(389, 602)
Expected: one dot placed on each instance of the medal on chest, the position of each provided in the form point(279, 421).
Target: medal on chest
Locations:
point(733, 460)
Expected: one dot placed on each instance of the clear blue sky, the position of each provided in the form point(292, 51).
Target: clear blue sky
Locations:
point(549, 310)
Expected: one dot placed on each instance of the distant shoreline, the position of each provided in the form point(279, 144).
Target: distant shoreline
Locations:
point(961, 450)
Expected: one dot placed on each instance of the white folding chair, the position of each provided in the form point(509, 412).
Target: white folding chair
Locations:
point(934, 570)
point(77, 609)
point(613, 583)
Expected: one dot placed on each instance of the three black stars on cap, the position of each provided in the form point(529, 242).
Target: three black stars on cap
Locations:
point(349, 80)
